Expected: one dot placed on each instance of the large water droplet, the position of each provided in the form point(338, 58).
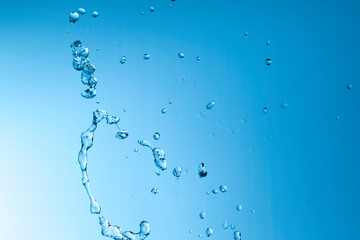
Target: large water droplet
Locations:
point(146, 56)
point(202, 215)
point(210, 105)
point(73, 17)
point(268, 61)
point(156, 136)
point(181, 55)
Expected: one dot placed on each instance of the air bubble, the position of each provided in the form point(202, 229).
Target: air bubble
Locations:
point(268, 61)
point(123, 60)
point(223, 188)
point(156, 136)
point(210, 105)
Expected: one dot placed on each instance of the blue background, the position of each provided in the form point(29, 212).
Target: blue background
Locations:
point(297, 167)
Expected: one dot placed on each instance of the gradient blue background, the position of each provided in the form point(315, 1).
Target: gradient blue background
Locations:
point(297, 167)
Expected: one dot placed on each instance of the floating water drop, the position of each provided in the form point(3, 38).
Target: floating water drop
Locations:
point(112, 119)
point(207, 193)
point(202, 170)
point(232, 226)
point(238, 207)
point(158, 173)
point(155, 190)
point(252, 211)
point(95, 14)
point(142, 13)
point(181, 55)
point(202, 215)
point(224, 225)
point(89, 93)
point(268, 61)
point(73, 17)
point(265, 110)
point(159, 155)
point(123, 60)
point(122, 134)
point(214, 191)
point(177, 172)
point(349, 86)
point(146, 56)
point(337, 118)
point(136, 150)
point(156, 136)
point(210, 105)
point(81, 11)
point(97, 102)
point(170, 102)
point(198, 58)
point(200, 236)
point(209, 232)
point(223, 188)
point(190, 231)
point(237, 235)
point(284, 105)
point(267, 43)
point(163, 111)
point(245, 33)
point(152, 9)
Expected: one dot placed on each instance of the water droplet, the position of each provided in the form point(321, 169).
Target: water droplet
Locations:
point(97, 102)
point(95, 14)
point(238, 207)
point(267, 43)
point(122, 134)
point(207, 193)
point(215, 191)
point(158, 173)
point(224, 225)
point(155, 190)
point(152, 9)
point(170, 102)
point(170, 5)
point(237, 235)
point(123, 60)
point(223, 188)
point(209, 232)
point(136, 150)
point(163, 111)
point(73, 17)
point(156, 136)
point(142, 13)
point(81, 11)
point(200, 236)
point(284, 105)
point(252, 211)
point(159, 155)
point(198, 58)
point(337, 117)
point(89, 93)
point(349, 86)
point(265, 110)
point(112, 119)
point(202, 215)
point(202, 170)
point(210, 105)
point(177, 172)
point(268, 61)
point(232, 226)
point(245, 33)
point(146, 56)
point(181, 55)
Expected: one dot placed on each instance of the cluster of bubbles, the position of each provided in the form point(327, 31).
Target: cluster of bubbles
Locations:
point(81, 63)
point(107, 229)
point(75, 16)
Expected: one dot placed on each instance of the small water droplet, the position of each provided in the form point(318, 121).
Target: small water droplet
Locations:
point(337, 117)
point(142, 13)
point(190, 231)
point(177, 172)
point(136, 150)
point(97, 102)
point(245, 33)
point(268, 61)
point(237, 235)
point(123, 60)
point(158, 173)
point(198, 58)
point(224, 225)
point(210, 105)
point(152, 9)
point(265, 110)
point(73, 17)
point(95, 14)
point(238, 207)
point(146, 56)
point(207, 193)
point(170, 102)
point(232, 226)
point(163, 111)
point(200, 236)
point(81, 11)
point(209, 232)
point(267, 43)
point(349, 86)
point(284, 105)
point(154, 190)
point(202, 170)
point(202, 215)
point(252, 211)
point(156, 136)
point(181, 55)
point(122, 134)
point(215, 191)
point(223, 188)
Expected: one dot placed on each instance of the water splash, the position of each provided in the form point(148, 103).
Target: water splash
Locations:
point(81, 63)
point(107, 229)
point(159, 154)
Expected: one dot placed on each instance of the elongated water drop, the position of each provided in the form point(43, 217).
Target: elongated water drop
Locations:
point(95, 14)
point(73, 17)
point(81, 11)
point(210, 105)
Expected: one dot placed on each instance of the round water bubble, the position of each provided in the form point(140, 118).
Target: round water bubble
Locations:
point(215, 191)
point(81, 11)
point(158, 173)
point(210, 105)
point(136, 150)
point(190, 231)
point(202, 215)
point(152, 9)
point(223, 188)
point(95, 14)
point(284, 105)
point(146, 56)
point(245, 33)
point(237, 235)
point(207, 193)
point(177, 172)
point(154, 190)
point(252, 211)
point(163, 111)
point(209, 232)
point(238, 207)
point(181, 55)
point(268, 61)
point(267, 43)
point(73, 17)
point(142, 13)
point(122, 134)
point(265, 110)
point(224, 225)
point(198, 58)
point(232, 226)
point(349, 86)
point(122, 59)
point(156, 136)
point(337, 117)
